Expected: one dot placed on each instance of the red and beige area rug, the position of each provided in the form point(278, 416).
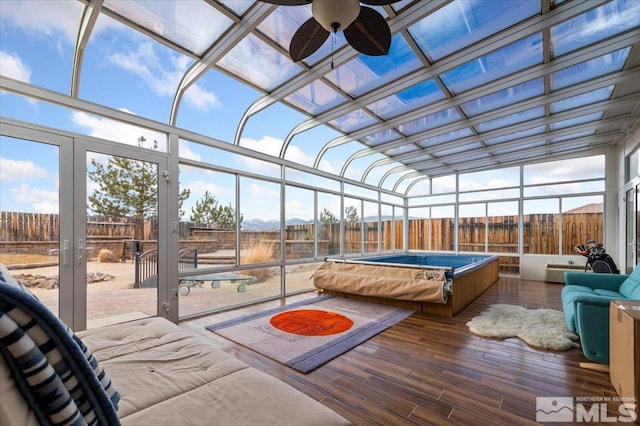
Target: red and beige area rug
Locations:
point(310, 333)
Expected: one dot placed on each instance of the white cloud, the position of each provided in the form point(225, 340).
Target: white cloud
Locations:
point(12, 66)
point(201, 99)
point(16, 170)
point(186, 152)
point(42, 200)
point(116, 131)
point(163, 78)
point(296, 155)
point(267, 145)
point(199, 187)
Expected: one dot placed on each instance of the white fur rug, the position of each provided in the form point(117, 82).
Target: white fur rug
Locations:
point(542, 328)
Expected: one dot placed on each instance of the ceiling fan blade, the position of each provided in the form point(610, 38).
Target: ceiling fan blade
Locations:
point(287, 2)
point(378, 2)
point(309, 37)
point(369, 33)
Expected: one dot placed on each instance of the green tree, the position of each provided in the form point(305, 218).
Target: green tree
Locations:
point(327, 218)
point(351, 214)
point(127, 188)
point(208, 212)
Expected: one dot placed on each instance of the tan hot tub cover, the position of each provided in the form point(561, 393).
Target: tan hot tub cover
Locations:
point(391, 282)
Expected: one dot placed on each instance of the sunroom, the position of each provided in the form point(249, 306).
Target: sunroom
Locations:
point(154, 154)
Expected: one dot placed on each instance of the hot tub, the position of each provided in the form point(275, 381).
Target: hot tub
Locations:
point(442, 284)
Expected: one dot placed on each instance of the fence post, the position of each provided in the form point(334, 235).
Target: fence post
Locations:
point(136, 257)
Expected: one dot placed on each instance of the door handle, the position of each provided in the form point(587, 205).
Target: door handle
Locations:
point(81, 251)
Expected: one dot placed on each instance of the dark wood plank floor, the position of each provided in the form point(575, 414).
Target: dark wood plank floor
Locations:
point(431, 370)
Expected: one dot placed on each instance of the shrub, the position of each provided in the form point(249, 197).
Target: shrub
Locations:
point(107, 256)
point(259, 252)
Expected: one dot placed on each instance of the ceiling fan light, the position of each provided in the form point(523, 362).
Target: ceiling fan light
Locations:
point(331, 12)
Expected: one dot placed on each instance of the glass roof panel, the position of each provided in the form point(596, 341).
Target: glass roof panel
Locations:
point(582, 99)
point(258, 63)
point(315, 98)
point(418, 158)
point(577, 120)
point(431, 121)
point(36, 35)
point(401, 4)
point(457, 149)
point(515, 148)
point(401, 150)
point(573, 136)
point(476, 156)
point(283, 22)
point(587, 70)
point(509, 96)
point(517, 135)
point(409, 99)
point(446, 137)
point(193, 25)
point(595, 25)
point(353, 121)
point(462, 23)
point(507, 60)
point(239, 7)
point(365, 73)
point(511, 119)
point(380, 137)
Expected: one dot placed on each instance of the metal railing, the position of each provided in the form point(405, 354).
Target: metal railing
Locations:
point(146, 265)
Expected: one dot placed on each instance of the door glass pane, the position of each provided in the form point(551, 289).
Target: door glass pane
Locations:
point(122, 239)
point(29, 216)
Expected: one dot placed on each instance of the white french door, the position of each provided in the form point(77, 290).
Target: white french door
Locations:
point(92, 291)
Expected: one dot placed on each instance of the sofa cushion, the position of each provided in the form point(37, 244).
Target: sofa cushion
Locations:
point(608, 293)
point(630, 284)
point(636, 294)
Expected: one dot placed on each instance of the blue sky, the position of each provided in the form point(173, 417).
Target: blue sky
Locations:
point(128, 71)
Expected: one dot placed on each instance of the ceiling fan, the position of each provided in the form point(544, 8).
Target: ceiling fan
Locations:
point(364, 28)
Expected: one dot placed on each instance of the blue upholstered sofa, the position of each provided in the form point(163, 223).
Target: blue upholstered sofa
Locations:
point(585, 300)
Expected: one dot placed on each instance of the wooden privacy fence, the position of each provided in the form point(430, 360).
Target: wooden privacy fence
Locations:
point(541, 232)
